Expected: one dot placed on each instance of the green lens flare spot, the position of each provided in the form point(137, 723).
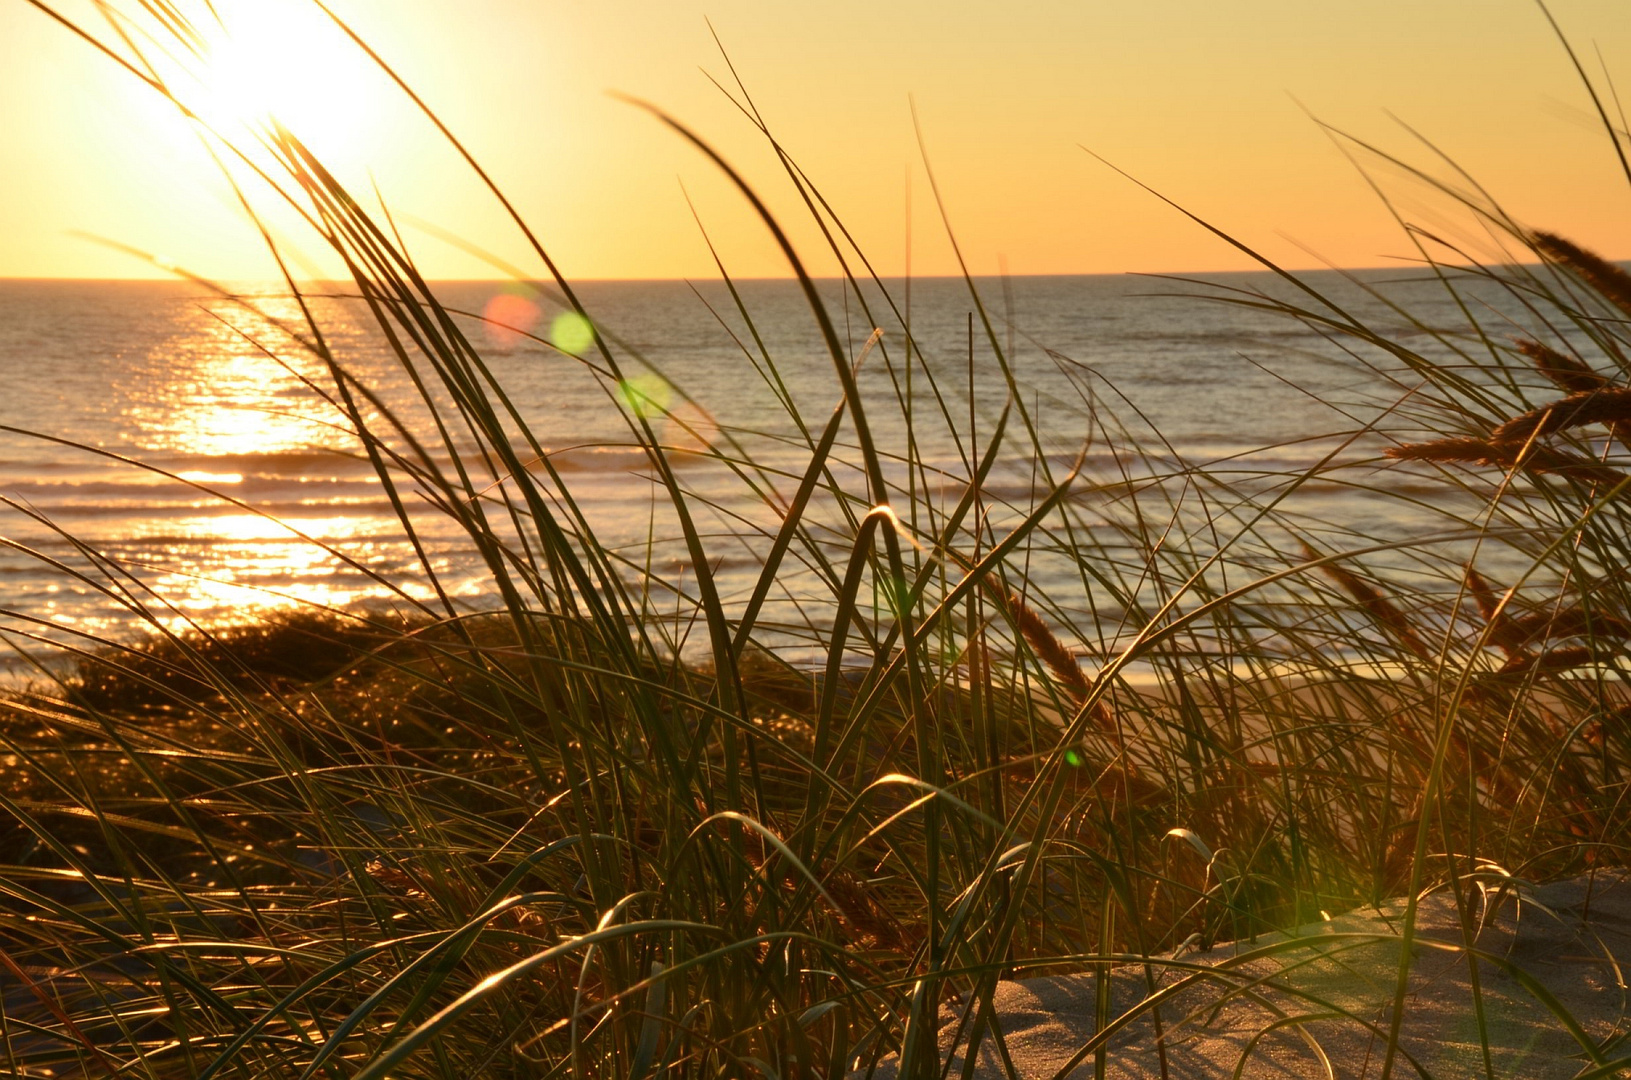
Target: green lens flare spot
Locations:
point(571, 333)
point(646, 395)
point(1073, 759)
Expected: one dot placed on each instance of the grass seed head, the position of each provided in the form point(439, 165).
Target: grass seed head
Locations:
point(1609, 405)
point(1507, 455)
point(1379, 607)
point(1606, 279)
point(1570, 374)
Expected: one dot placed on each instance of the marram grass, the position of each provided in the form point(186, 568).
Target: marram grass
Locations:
point(544, 839)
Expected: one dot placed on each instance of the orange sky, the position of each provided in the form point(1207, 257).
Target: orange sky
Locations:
point(1202, 100)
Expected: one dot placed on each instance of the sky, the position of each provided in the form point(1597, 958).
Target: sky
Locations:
point(1021, 110)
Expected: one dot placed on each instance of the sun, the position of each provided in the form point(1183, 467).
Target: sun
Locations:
point(284, 62)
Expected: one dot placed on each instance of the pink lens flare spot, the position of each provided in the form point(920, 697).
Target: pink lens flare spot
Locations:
point(508, 317)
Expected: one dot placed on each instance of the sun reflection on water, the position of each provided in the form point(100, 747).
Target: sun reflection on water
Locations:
point(220, 395)
point(223, 404)
point(247, 528)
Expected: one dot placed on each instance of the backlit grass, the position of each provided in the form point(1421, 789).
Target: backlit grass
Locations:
point(614, 824)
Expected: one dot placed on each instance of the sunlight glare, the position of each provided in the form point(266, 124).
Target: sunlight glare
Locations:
point(286, 63)
point(214, 479)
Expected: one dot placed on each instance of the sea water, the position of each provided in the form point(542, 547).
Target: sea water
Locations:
point(173, 455)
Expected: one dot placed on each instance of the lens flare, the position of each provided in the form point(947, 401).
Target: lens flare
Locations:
point(571, 333)
point(508, 317)
point(646, 395)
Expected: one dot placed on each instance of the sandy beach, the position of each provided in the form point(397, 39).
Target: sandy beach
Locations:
point(1318, 1003)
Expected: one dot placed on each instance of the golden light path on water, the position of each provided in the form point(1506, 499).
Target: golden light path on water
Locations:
point(266, 501)
point(252, 431)
point(225, 396)
point(253, 546)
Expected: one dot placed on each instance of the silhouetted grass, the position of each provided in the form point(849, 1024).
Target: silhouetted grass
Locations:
point(547, 839)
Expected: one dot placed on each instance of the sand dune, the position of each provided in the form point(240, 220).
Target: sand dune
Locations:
point(1318, 1002)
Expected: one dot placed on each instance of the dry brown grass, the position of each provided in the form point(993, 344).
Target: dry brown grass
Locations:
point(1571, 375)
point(1606, 405)
point(1381, 610)
point(1602, 276)
point(1509, 455)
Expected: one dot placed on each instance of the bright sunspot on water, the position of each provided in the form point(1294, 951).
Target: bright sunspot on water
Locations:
point(213, 392)
point(214, 479)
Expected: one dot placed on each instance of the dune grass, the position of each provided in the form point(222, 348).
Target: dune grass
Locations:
point(549, 838)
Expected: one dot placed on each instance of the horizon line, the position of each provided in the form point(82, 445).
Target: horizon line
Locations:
point(680, 280)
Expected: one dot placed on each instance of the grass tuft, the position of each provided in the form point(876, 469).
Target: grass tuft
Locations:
point(614, 821)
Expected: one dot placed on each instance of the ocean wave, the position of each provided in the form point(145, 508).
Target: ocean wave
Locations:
point(610, 459)
point(161, 489)
point(294, 509)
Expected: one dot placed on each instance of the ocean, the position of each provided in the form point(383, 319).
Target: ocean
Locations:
point(171, 456)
